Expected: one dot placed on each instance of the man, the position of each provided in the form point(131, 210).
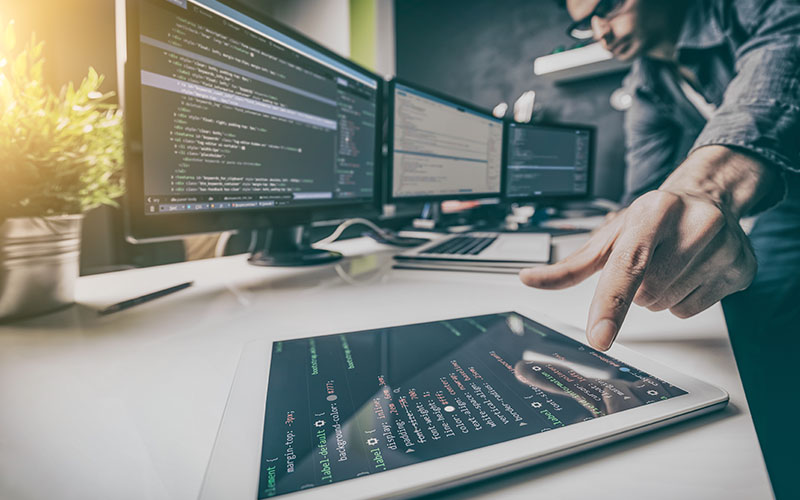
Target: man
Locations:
point(713, 135)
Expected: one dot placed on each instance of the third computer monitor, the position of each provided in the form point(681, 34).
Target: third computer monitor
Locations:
point(548, 161)
point(441, 148)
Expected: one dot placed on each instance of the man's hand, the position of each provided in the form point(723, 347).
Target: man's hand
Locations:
point(679, 248)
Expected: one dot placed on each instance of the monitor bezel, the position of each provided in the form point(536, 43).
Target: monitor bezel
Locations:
point(550, 198)
point(390, 146)
point(140, 227)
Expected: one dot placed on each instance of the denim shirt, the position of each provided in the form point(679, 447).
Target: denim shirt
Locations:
point(746, 57)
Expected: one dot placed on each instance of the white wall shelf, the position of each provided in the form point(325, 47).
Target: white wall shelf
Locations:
point(578, 64)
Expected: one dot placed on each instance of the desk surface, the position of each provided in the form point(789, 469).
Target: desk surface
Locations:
point(127, 406)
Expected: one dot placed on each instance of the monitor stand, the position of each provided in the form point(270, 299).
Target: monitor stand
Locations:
point(435, 221)
point(287, 246)
point(430, 219)
point(478, 218)
point(532, 223)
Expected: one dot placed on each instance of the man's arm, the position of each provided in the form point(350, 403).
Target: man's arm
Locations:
point(679, 248)
point(760, 111)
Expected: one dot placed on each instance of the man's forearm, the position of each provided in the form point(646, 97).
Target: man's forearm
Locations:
point(734, 180)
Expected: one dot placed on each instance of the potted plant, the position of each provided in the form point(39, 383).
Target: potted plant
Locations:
point(60, 155)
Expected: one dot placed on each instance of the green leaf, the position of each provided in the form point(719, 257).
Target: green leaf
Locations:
point(9, 37)
point(19, 69)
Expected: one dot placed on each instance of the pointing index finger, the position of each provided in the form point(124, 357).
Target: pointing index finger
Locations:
point(570, 271)
point(619, 281)
point(578, 266)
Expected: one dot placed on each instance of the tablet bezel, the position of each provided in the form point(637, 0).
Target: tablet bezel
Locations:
point(233, 469)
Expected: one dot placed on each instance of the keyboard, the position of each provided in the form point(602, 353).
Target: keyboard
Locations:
point(461, 245)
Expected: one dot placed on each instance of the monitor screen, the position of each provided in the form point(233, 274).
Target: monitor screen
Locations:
point(238, 115)
point(547, 161)
point(443, 149)
point(344, 406)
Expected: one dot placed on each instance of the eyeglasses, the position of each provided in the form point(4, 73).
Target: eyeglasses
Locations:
point(582, 28)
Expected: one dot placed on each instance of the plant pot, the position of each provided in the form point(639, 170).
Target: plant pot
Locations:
point(39, 263)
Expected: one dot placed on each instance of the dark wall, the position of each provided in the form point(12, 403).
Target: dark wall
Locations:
point(482, 51)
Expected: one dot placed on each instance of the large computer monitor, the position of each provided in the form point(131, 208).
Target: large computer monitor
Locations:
point(441, 148)
point(547, 162)
point(234, 121)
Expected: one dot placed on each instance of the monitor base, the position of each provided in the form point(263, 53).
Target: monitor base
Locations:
point(433, 220)
point(287, 246)
point(388, 237)
point(308, 257)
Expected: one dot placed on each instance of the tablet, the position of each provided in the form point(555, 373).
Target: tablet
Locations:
point(408, 410)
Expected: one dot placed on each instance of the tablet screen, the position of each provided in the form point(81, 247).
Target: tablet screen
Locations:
point(347, 405)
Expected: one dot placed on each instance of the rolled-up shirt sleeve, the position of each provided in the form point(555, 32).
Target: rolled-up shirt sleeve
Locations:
point(760, 111)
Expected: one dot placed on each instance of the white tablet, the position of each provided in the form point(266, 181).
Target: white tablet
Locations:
point(408, 410)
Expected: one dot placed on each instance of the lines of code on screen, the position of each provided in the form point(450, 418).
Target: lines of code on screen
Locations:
point(441, 148)
point(234, 117)
point(344, 406)
point(547, 161)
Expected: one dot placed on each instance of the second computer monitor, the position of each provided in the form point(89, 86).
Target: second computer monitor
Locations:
point(548, 161)
point(441, 148)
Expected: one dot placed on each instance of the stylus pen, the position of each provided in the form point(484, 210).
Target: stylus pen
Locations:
point(126, 304)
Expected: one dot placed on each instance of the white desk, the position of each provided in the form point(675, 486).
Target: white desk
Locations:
point(127, 406)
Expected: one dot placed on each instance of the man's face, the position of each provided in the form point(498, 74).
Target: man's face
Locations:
point(617, 32)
